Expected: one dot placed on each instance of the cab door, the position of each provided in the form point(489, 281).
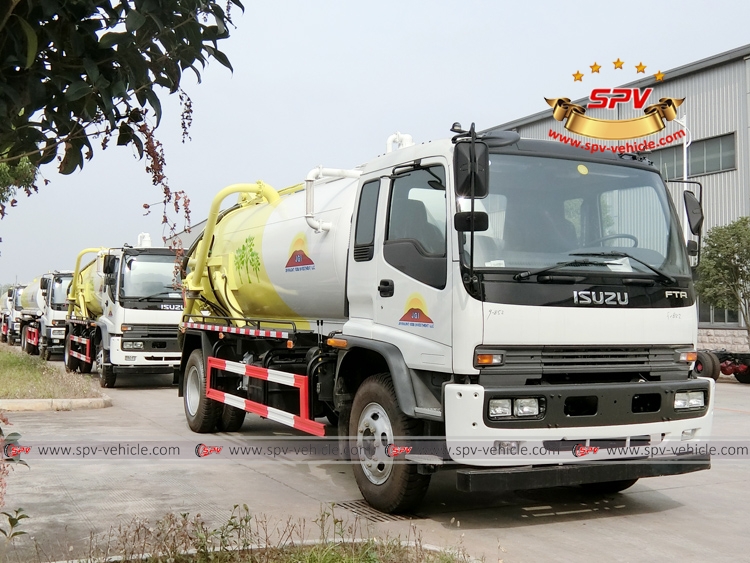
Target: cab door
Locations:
point(412, 288)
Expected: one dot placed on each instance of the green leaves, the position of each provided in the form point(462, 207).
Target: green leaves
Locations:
point(134, 21)
point(724, 271)
point(71, 70)
point(31, 41)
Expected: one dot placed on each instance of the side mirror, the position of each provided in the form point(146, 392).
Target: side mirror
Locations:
point(694, 213)
point(108, 267)
point(10, 293)
point(692, 248)
point(44, 283)
point(462, 221)
point(465, 170)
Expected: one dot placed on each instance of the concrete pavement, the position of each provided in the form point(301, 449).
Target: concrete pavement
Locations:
point(695, 517)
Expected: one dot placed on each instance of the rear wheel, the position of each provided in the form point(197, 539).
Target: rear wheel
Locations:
point(71, 363)
point(201, 412)
point(742, 376)
point(608, 487)
point(30, 348)
point(25, 340)
point(86, 367)
point(387, 483)
point(231, 419)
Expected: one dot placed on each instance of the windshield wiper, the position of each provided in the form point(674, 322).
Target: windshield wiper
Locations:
point(157, 294)
point(664, 278)
point(571, 264)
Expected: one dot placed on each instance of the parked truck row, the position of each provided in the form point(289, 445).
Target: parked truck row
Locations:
point(115, 314)
point(483, 289)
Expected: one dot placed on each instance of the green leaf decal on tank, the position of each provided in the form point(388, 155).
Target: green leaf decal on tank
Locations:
point(245, 258)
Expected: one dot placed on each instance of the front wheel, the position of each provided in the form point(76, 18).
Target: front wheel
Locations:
point(201, 412)
point(608, 487)
point(107, 377)
point(387, 483)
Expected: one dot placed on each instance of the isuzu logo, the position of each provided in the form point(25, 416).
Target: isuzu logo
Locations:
point(170, 307)
point(678, 294)
point(600, 298)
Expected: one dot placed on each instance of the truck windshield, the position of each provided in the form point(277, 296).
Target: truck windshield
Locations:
point(544, 211)
point(59, 293)
point(17, 300)
point(149, 275)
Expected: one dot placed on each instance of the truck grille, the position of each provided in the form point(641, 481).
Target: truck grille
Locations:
point(566, 360)
point(152, 331)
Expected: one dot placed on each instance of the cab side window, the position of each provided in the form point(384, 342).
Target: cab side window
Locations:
point(415, 241)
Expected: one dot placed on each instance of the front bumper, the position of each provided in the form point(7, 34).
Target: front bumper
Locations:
point(540, 477)
point(557, 438)
point(148, 361)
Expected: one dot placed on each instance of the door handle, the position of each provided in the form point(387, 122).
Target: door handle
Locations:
point(386, 288)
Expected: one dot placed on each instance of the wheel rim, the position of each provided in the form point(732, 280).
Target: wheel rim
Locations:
point(66, 352)
point(374, 435)
point(192, 391)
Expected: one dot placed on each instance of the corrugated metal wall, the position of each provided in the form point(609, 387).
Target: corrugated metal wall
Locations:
point(716, 103)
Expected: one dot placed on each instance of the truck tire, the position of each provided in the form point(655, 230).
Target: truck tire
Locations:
point(705, 366)
point(717, 367)
point(104, 370)
point(743, 377)
point(71, 363)
point(24, 340)
point(387, 484)
point(608, 487)
point(30, 348)
point(201, 412)
point(231, 419)
point(44, 353)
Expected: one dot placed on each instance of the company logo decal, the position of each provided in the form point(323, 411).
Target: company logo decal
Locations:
point(616, 129)
point(416, 313)
point(299, 258)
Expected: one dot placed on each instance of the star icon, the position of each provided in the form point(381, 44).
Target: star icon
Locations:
point(578, 77)
point(595, 68)
point(640, 67)
point(618, 63)
point(659, 76)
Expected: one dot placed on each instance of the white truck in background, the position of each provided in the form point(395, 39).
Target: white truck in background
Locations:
point(123, 312)
point(11, 323)
point(44, 307)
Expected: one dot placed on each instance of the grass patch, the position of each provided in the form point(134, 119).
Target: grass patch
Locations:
point(29, 377)
point(246, 538)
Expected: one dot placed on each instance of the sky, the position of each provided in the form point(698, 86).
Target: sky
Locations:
point(326, 82)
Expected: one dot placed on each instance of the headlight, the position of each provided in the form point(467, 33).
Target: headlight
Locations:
point(526, 407)
point(500, 408)
point(689, 400)
point(132, 345)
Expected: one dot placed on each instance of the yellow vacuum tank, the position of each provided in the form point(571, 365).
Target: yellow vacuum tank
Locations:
point(266, 262)
point(89, 280)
